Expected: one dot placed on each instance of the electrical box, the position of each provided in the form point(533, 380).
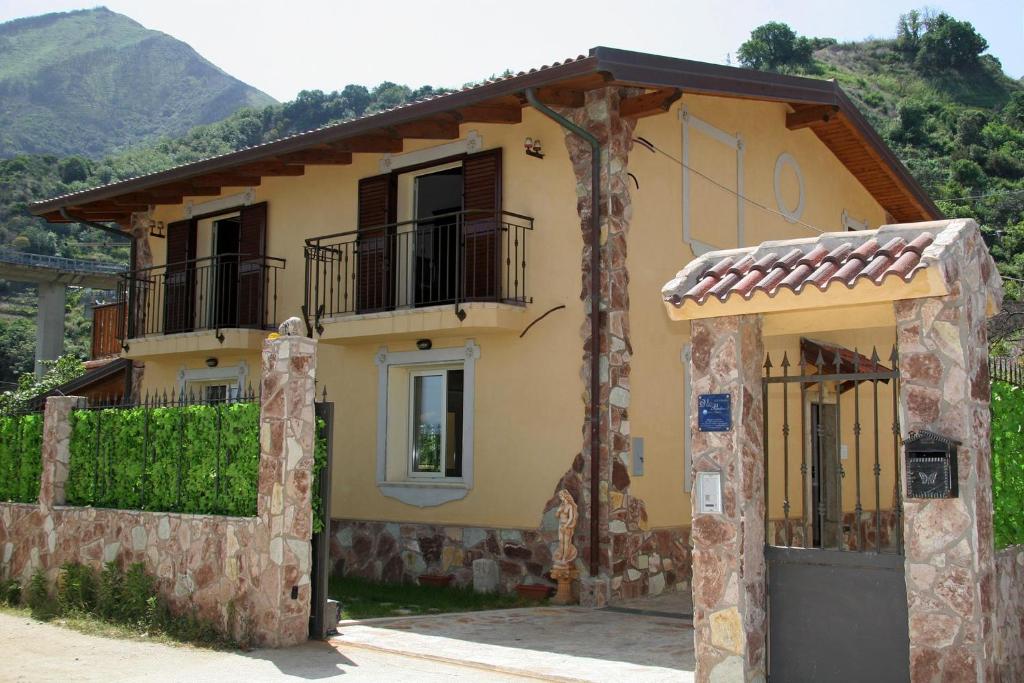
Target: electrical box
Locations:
point(638, 456)
point(931, 465)
point(709, 492)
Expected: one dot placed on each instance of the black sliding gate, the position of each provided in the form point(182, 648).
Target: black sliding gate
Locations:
point(837, 602)
point(324, 412)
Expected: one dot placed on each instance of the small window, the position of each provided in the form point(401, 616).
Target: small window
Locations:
point(435, 423)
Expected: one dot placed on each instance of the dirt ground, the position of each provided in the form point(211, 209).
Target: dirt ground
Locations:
point(34, 651)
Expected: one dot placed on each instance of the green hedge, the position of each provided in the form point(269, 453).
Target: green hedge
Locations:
point(21, 451)
point(201, 459)
point(1008, 463)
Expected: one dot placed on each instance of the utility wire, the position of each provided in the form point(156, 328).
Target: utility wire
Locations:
point(654, 148)
point(998, 193)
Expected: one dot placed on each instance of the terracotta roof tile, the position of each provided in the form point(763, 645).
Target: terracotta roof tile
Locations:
point(818, 263)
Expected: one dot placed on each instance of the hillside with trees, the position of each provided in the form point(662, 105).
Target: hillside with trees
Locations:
point(93, 82)
point(945, 107)
point(948, 111)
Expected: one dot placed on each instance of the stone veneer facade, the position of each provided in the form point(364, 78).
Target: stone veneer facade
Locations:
point(944, 387)
point(635, 559)
point(729, 615)
point(1009, 615)
point(218, 565)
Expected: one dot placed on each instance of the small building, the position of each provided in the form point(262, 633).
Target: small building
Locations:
point(447, 254)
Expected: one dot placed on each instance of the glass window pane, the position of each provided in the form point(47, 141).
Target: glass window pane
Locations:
point(427, 416)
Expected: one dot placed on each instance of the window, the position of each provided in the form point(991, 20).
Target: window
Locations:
point(224, 383)
point(425, 424)
point(435, 430)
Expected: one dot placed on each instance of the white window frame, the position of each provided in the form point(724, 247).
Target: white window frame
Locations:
point(234, 376)
point(432, 490)
point(441, 372)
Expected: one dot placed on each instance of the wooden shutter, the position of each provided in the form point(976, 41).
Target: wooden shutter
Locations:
point(252, 239)
point(481, 199)
point(180, 277)
point(374, 243)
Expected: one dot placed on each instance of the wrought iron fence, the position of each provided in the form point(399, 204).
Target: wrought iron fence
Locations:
point(170, 451)
point(1006, 369)
point(224, 291)
point(446, 259)
point(833, 411)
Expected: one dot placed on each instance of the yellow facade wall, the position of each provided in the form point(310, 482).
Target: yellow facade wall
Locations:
point(529, 406)
point(657, 252)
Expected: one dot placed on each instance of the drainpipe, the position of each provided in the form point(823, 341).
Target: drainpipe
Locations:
point(595, 321)
point(91, 224)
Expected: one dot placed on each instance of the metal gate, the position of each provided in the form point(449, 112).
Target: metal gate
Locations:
point(324, 412)
point(837, 604)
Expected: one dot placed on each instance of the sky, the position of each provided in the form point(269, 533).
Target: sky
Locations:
point(284, 47)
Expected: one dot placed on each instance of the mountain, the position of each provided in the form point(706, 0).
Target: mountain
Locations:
point(94, 82)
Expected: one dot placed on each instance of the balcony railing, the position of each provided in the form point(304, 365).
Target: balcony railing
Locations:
point(450, 258)
point(213, 293)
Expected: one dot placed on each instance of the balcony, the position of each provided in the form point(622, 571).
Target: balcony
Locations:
point(172, 308)
point(419, 276)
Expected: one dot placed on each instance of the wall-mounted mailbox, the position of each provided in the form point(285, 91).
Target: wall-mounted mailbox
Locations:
point(931, 465)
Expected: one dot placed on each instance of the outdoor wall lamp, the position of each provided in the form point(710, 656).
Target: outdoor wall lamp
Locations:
point(424, 344)
point(532, 148)
point(157, 229)
point(211, 362)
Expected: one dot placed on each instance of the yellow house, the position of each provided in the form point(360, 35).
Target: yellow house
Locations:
point(441, 254)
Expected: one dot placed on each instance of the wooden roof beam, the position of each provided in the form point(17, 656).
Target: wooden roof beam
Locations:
point(428, 129)
point(317, 155)
point(227, 180)
point(270, 168)
point(561, 97)
point(812, 116)
point(650, 103)
point(486, 113)
point(369, 144)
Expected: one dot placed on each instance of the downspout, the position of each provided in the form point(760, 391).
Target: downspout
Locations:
point(91, 224)
point(595, 320)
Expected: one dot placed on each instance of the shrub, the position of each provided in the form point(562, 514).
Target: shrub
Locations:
point(109, 591)
point(201, 459)
point(138, 595)
point(76, 588)
point(21, 443)
point(38, 597)
point(1007, 464)
point(10, 592)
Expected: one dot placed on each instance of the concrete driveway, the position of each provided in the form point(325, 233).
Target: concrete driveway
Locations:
point(555, 643)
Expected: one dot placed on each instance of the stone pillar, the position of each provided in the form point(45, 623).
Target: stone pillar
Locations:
point(287, 437)
point(139, 229)
point(944, 388)
point(49, 323)
point(600, 117)
point(729, 617)
point(56, 448)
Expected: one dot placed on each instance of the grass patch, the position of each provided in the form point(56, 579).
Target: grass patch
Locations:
point(365, 599)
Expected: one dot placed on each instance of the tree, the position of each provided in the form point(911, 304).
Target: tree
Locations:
point(58, 372)
point(949, 43)
point(776, 47)
point(908, 31)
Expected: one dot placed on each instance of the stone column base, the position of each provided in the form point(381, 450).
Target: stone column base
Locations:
point(594, 592)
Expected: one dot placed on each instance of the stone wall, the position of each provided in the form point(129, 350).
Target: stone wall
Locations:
point(729, 591)
point(944, 387)
point(257, 569)
point(394, 552)
point(1009, 614)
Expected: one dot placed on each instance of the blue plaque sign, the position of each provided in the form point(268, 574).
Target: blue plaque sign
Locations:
point(714, 412)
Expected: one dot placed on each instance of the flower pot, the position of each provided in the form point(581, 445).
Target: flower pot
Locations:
point(534, 592)
point(435, 580)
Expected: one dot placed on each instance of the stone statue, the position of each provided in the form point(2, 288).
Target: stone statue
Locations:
point(292, 327)
point(563, 570)
point(568, 516)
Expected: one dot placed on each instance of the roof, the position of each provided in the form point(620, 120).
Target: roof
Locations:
point(877, 265)
point(817, 104)
point(97, 372)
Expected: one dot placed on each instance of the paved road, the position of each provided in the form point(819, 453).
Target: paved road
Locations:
point(34, 651)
